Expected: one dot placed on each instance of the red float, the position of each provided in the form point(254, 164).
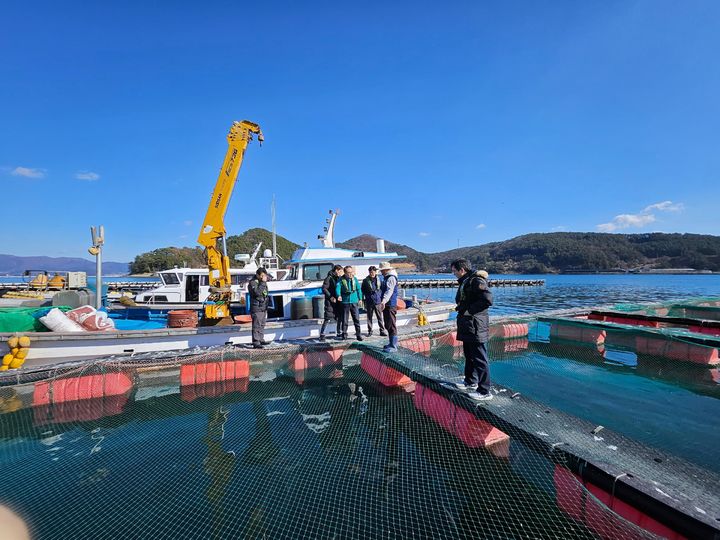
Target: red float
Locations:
point(460, 422)
point(387, 376)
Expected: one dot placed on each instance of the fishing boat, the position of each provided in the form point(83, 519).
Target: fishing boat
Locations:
point(188, 288)
point(299, 277)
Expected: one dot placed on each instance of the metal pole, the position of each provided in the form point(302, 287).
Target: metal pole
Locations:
point(98, 239)
point(98, 278)
point(274, 234)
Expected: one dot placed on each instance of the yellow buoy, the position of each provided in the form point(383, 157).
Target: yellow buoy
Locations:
point(13, 342)
point(39, 282)
point(22, 353)
point(24, 341)
point(14, 351)
point(16, 363)
point(3, 368)
point(7, 359)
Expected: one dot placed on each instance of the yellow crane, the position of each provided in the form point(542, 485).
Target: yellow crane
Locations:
point(217, 306)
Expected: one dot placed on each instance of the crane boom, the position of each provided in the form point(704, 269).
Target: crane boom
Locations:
point(217, 308)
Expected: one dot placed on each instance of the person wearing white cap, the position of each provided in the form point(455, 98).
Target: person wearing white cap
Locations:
point(388, 304)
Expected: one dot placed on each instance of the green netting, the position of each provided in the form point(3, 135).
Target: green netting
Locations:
point(301, 441)
point(664, 308)
point(21, 319)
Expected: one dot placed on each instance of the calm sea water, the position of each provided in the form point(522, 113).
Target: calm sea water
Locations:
point(569, 291)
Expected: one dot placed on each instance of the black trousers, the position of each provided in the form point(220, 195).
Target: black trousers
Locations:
point(332, 314)
point(374, 309)
point(390, 317)
point(477, 371)
point(350, 309)
point(258, 326)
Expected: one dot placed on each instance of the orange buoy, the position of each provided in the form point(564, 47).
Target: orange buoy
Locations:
point(182, 318)
point(57, 282)
point(243, 319)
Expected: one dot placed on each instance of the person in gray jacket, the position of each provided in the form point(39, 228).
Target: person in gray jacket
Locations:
point(473, 299)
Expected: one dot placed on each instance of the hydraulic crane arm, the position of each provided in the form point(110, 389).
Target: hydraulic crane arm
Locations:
point(213, 228)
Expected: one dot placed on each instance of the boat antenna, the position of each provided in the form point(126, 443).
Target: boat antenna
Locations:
point(328, 239)
point(274, 232)
point(254, 254)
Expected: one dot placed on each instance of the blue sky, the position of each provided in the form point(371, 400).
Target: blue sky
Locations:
point(430, 124)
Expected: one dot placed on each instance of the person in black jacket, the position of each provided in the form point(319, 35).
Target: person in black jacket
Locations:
point(371, 298)
point(332, 306)
point(473, 299)
point(259, 300)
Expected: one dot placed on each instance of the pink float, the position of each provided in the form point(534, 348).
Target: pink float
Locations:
point(461, 423)
point(387, 376)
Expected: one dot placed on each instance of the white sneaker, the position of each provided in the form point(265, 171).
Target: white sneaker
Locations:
point(481, 397)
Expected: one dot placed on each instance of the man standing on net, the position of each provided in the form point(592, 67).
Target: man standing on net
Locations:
point(349, 295)
point(473, 299)
point(371, 298)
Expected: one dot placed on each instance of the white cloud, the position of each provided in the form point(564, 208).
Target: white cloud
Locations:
point(27, 172)
point(87, 175)
point(187, 222)
point(423, 234)
point(480, 226)
point(665, 206)
point(183, 236)
point(559, 228)
point(641, 219)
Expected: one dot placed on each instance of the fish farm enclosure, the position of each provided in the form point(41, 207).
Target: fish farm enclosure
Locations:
point(600, 427)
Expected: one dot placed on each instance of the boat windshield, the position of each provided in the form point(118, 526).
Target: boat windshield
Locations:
point(169, 278)
point(316, 272)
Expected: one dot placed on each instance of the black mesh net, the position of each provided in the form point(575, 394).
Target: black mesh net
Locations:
point(581, 439)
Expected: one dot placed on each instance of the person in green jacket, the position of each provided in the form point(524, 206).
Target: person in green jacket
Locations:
point(349, 295)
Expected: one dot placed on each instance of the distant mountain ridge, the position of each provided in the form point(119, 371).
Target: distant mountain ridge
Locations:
point(526, 254)
point(540, 253)
point(15, 266)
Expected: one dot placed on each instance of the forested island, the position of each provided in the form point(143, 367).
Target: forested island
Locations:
point(536, 253)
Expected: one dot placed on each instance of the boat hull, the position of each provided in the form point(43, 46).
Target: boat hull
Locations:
point(53, 347)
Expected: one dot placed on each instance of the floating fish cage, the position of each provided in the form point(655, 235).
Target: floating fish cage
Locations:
point(597, 428)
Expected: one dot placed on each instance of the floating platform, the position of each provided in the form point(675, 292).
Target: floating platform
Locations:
point(405, 283)
point(660, 493)
point(672, 343)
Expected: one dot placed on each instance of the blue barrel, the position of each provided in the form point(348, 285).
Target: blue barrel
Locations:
point(318, 303)
point(301, 308)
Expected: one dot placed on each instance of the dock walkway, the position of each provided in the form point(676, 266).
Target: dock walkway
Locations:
point(405, 283)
